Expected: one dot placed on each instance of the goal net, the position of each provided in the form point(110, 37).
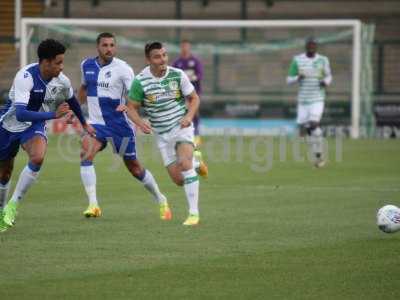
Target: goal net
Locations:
point(245, 64)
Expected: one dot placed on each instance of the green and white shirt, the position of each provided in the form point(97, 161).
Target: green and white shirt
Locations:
point(315, 70)
point(163, 99)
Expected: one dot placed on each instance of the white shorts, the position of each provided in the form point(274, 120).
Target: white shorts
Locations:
point(167, 142)
point(310, 112)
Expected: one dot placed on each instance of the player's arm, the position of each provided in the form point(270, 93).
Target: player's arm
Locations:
point(23, 84)
point(192, 100)
point(193, 103)
point(82, 90)
point(327, 74)
point(82, 94)
point(294, 76)
point(135, 99)
point(24, 115)
point(132, 111)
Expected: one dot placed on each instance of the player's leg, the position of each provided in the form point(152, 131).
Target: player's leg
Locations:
point(150, 184)
point(9, 146)
point(35, 147)
point(89, 148)
point(184, 152)
point(6, 168)
point(315, 133)
point(302, 118)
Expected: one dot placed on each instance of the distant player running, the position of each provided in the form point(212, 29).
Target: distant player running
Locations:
point(313, 73)
point(38, 93)
point(105, 83)
point(171, 102)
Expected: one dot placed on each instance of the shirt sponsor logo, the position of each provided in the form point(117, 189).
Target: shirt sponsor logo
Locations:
point(38, 91)
point(89, 72)
point(103, 84)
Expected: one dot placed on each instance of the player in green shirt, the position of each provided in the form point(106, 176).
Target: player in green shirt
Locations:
point(170, 101)
point(313, 74)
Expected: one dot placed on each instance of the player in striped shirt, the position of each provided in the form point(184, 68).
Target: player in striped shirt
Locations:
point(313, 74)
point(171, 102)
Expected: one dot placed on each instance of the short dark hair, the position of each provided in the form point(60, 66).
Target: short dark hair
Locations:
point(49, 49)
point(104, 35)
point(151, 46)
point(311, 40)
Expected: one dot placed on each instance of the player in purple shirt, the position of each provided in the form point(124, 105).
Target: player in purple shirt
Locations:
point(193, 68)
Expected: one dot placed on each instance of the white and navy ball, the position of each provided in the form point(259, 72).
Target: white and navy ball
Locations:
point(388, 218)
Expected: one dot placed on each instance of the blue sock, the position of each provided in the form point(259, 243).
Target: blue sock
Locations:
point(34, 167)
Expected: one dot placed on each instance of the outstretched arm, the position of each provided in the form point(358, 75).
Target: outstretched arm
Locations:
point(24, 115)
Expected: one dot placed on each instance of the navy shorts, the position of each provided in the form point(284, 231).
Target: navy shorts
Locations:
point(10, 141)
point(123, 143)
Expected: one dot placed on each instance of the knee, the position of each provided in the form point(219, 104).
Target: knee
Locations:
point(137, 172)
point(311, 127)
point(135, 169)
point(178, 181)
point(5, 175)
point(185, 164)
point(37, 159)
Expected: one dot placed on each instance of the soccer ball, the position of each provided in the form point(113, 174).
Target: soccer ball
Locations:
point(388, 218)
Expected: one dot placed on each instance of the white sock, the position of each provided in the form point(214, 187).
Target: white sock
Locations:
point(191, 187)
point(25, 180)
point(316, 141)
point(196, 163)
point(4, 188)
point(88, 176)
point(151, 185)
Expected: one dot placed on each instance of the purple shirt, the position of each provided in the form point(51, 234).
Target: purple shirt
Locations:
point(193, 68)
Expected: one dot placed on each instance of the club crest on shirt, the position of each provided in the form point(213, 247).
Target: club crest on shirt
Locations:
point(173, 85)
point(108, 74)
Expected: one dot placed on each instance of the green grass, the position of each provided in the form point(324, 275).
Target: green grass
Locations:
point(293, 232)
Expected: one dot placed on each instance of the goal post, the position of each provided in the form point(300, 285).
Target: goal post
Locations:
point(28, 26)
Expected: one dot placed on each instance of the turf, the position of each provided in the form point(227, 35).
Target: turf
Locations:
point(291, 232)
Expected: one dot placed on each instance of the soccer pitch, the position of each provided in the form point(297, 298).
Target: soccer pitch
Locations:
point(292, 232)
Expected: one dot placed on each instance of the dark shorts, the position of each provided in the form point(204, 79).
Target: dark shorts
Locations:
point(123, 143)
point(10, 141)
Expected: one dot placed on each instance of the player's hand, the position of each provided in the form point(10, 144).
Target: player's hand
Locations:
point(89, 129)
point(122, 108)
point(301, 77)
point(185, 122)
point(64, 110)
point(144, 127)
point(322, 84)
point(70, 119)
